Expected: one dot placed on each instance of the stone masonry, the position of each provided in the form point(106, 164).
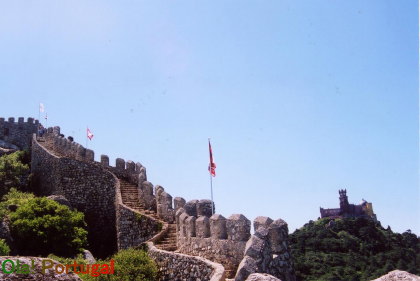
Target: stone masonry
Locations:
point(18, 133)
point(64, 168)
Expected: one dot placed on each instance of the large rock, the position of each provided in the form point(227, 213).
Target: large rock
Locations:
point(254, 247)
point(87, 255)
point(60, 199)
point(5, 231)
point(6, 145)
point(247, 266)
point(34, 273)
point(398, 275)
point(4, 151)
point(261, 277)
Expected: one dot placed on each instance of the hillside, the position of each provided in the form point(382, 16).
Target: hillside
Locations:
point(351, 249)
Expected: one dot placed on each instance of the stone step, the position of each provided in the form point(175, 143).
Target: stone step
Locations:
point(130, 197)
point(167, 247)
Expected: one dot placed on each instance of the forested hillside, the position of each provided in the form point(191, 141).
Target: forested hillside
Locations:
point(351, 249)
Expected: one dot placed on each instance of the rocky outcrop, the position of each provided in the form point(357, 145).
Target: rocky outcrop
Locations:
point(262, 277)
point(7, 148)
point(398, 275)
point(60, 199)
point(87, 255)
point(5, 231)
point(31, 270)
point(267, 251)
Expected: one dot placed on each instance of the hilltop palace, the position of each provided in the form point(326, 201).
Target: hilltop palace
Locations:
point(346, 210)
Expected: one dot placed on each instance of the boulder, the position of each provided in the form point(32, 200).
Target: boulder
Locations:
point(261, 277)
point(398, 275)
point(35, 272)
point(5, 231)
point(60, 199)
point(87, 255)
point(247, 266)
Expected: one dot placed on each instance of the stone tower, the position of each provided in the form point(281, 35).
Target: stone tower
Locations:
point(344, 202)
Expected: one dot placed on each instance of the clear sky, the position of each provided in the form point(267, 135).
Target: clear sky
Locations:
point(300, 98)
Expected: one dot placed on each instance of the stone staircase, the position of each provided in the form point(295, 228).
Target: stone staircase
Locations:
point(168, 243)
point(130, 198)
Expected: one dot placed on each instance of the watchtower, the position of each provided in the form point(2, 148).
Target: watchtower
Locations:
point(344, 202)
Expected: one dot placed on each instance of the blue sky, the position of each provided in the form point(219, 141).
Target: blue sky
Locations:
point(300, 98)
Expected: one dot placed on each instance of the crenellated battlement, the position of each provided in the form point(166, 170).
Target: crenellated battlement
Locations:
point(21, 120)
point(234, 228)
point(64, 167)
point(18, 133)
point(214, 237)
point(65, 147)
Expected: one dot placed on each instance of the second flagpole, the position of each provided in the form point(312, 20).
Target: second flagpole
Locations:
point(211, 180)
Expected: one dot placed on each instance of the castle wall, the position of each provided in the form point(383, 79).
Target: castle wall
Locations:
point(67, 168)
point(18, 133)
point(216, 238)
point(93, 188)
point(89, 188)
point(174, 266)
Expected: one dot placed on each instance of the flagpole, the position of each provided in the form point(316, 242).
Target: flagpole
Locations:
point(86, 137)
point(211, 186)
point(39, 119)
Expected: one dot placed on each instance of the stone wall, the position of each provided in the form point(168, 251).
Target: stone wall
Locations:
point(68, 169)
point(175, 266)
point(215, 238)
point(89, 188)
point(93, 188)
point(134, 173)
point(164, 207)
point(134, 228)
point(18, 133)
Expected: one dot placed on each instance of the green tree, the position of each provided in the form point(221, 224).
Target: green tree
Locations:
point(41, 226)
point(13, 171)
point(351, 249)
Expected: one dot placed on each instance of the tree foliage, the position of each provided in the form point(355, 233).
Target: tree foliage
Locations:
point(351, 249)
point(14, 171)
point(41, 226)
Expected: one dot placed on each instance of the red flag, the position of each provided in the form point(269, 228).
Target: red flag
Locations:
point(89, 134)
point(212, 165)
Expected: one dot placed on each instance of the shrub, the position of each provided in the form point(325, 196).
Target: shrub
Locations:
point(133, 265)
point(41, 226)
point(14, 197)
point(130, 265)
point(4, 248)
